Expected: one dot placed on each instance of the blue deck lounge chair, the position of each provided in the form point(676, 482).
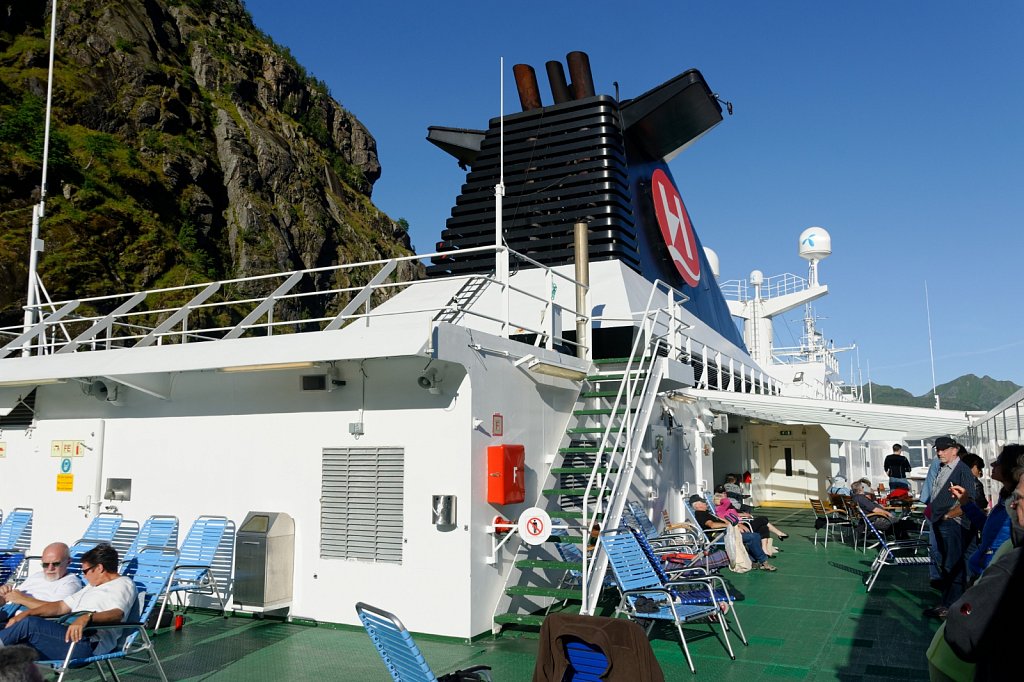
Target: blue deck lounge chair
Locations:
point(634, 516)
point(153, 568)
point(646, 598)
point(194, 572)
point(890, 553)
point(156, 531)
point(102, 528)
point(15, 538)
point(399, 652)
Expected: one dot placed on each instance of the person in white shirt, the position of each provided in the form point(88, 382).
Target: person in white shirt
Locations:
point(108, 598)
point(53, 583)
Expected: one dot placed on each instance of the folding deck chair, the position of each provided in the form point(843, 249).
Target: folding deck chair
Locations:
point(711, 537)
point(102, 528)
point(715, 581)
point(15, 539)
point(399, 652)
point(898, 553)
point(194, 572)
point(156, 531)
point(153, 568)
point(634, 516)
point(645, 597)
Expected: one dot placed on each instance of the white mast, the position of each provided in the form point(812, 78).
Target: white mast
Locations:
point(931, 351)
point(500, 252)
point(35, 246)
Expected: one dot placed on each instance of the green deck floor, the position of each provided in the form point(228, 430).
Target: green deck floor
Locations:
point(811, 620)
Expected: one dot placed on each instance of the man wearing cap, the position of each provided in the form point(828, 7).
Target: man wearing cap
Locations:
point(752, 541)
point(951, 531)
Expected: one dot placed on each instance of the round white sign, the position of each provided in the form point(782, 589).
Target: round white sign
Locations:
point(534, 526)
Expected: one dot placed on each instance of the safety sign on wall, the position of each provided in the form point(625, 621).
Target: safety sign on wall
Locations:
point(67, 448)
point(65, 466)
point(65, 483)
point(534, 526)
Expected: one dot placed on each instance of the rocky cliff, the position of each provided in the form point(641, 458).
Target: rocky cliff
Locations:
point(186, 147)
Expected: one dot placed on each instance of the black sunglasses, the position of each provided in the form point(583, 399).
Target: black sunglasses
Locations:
point(51, 564)
point(85, 571)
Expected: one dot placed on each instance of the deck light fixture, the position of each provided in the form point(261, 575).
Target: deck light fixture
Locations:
point(268, 367)
point(31, 382)
point(551, 369)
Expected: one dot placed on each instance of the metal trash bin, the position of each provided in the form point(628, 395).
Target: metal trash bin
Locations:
point(265, 562)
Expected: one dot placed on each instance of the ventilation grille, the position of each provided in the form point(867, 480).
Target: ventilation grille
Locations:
point(361, 508)
point(22, 415)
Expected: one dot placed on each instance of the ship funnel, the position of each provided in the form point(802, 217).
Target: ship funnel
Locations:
point(579, 71)
point(556, 78)
point(526, 83)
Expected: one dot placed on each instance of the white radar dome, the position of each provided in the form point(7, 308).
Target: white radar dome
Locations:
point(757, 278)
point(815, 243)
point(712, 261)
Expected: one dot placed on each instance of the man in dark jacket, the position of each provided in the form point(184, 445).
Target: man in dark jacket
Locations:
point(951, 528)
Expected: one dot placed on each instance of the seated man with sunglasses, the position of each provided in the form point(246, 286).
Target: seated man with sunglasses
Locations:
point(108, 598)
point(53, 583)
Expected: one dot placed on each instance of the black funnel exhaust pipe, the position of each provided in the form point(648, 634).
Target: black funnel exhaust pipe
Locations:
point(526, 83)
point(559, 87)
point(579, 71)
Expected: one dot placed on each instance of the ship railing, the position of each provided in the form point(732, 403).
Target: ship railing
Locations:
point(990, 432)
point(772, 287)
point(314, 299)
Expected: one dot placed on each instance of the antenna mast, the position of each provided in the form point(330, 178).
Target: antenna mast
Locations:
point(35, 246)
point(931, 351)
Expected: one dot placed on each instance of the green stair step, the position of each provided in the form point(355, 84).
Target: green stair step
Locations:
point(569, 492)
point(567, 539)
point(607, 394)
point(550, 563)
point(570, 514)
point(558, 593)
point(583, 449)
point(615, 376)
point(587, 429)
point(582, 470)
point(602, 410)
point(519, 619)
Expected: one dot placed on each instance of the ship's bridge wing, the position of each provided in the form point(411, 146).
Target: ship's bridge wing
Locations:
point(844, 420)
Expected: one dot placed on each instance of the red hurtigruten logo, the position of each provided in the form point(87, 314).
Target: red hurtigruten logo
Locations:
point(676, 229)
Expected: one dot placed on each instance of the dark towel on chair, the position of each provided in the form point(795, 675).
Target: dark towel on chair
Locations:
point(624, 643)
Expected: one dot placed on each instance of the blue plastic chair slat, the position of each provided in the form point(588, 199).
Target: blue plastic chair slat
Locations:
point(396, 647)
point(15, 531)
point(156, 531)
point(587, 662)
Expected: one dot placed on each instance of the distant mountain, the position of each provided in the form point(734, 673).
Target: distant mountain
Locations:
point(968, 392)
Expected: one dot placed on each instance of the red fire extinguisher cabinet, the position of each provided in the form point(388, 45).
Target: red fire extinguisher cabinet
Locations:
point(506, 480)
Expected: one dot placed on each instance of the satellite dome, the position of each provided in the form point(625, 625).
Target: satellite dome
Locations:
point(815, 243)
point(712, 261)
point(756, 278)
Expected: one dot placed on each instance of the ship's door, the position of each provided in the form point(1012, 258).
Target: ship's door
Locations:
point(791, 476)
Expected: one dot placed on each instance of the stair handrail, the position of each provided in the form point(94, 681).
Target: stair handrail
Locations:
point(593, 571)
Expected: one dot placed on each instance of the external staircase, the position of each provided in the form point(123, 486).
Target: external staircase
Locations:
point(587, 485)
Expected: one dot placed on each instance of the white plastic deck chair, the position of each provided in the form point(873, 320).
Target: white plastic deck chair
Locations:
point(399, 652)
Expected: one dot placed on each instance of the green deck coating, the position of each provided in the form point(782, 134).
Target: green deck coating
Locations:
point(811, 620)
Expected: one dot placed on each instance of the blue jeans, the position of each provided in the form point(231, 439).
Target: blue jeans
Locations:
point(752, 541)
point(952, 539)
point(934, 572)
point(46, 637)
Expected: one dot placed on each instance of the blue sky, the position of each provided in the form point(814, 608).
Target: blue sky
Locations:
point(896, 126)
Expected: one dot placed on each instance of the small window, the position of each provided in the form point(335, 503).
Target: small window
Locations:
point(361, 504)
